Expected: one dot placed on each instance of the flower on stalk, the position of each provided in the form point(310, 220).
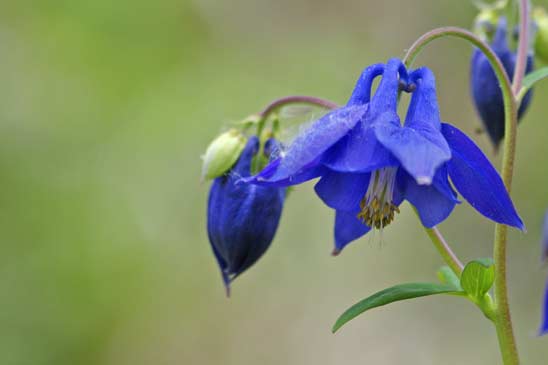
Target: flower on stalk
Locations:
point(369, 163)
point(485, 88)
point(242, 219)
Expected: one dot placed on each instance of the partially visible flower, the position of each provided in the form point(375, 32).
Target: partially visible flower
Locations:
point(369, 163)
point(544, 320)
point(242, 219)
point(544, 239)
point(485, 88)
point(544, 255)
point(222, 153)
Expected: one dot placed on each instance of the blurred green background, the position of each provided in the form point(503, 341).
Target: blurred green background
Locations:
point(105, 109)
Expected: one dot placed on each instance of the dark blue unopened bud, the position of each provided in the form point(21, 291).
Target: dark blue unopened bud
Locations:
point(485, 86)
point(242, 218)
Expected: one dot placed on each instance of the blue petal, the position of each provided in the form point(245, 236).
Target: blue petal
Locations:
point(347, 229)
point(500, 40)
point(359, 151)
point(214, 206)
point(342, 191)
point(241, 219)
point(433, 205)
point(243, 165)
point(264, 178)
point(309, 145)
point(424, 103)
point(386, 96)
point(362, 90)
point(485, 87)
point(544, 324)
point(477, 180)
point(419, 145)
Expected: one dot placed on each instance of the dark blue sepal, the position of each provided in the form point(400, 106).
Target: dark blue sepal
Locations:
point(485, 88)
point(477, 180)
point(242, 218)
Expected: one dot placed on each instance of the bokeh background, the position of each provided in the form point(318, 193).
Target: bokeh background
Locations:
point(105, 109)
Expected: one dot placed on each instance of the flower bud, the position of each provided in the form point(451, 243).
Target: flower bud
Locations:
point(485, 88)
point(222, 153)
point(242, 218)
point(485, 23)
point(541, 41)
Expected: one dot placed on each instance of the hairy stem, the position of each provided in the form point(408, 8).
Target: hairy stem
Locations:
point(502, 317)
point(445, 250)
point(296, 99)
point(503, 320)
point(523, 46)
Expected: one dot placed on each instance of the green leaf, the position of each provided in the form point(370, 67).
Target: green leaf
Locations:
point(447, 276)
point(393, 294)
point(477, 277)
point(532, 78)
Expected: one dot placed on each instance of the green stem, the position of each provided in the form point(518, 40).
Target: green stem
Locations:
point(272, 108)
point(502, 317)
point(445, 250)
point(434, 234)
point(295, 99)
point(503, 320)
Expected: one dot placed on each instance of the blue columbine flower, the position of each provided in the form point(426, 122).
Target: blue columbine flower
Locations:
point(369, 163)
point(485, 87)
point(242, 219)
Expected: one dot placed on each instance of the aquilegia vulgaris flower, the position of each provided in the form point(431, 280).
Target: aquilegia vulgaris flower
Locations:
point(368, 163)
point(485, 87)
point(242, 219)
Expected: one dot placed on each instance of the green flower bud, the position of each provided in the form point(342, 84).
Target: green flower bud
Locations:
point(541, 41)
point(486, 23)
point(222, 153)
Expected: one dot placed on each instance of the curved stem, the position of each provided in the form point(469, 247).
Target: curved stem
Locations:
point(275, 105)
point(296, 99)
point(523, 46)
point(445, 250)
point(502, 318)
point(434, 34)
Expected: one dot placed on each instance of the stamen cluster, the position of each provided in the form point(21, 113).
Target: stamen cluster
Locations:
point(377, 207)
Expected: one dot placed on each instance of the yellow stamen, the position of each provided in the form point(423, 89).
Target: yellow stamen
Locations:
point(377, 207)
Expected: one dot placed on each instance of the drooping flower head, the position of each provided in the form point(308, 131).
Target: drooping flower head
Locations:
point(242, 219)
point(485, 87)
point(369, 163)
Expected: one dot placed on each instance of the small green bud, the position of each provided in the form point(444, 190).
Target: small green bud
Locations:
point(486, 23)
point(222, 153)
point(541, 41)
